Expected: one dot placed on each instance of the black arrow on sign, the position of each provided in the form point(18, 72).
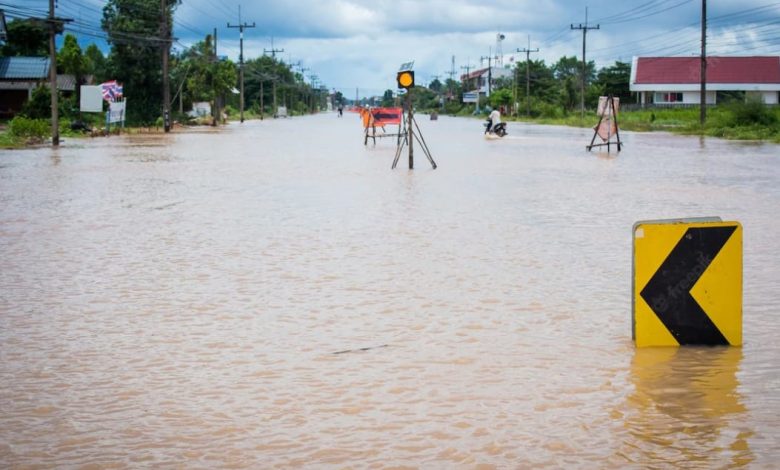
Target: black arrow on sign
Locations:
point(668, 293)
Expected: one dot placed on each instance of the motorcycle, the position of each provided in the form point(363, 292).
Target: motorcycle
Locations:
point(499, 129)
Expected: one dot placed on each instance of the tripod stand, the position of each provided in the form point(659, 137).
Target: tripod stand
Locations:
point(410, 135)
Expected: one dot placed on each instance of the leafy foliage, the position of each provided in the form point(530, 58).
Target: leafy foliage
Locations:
point(30, 129)
point(70, 60)
point(95, 64)
point(133, 28)
point(39, 104)
point(26, 38)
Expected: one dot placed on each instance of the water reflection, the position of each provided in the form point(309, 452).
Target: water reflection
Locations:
point(686, 408)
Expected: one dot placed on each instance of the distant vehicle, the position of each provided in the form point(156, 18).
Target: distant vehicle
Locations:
point(497, 130)
point(281, 111)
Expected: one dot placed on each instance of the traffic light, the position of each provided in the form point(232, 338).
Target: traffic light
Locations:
point(405, 79)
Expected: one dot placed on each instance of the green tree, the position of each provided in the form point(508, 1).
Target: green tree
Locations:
point(615, 80)
point(500, 97)
point(266, 75)
point(206, 77)
point(424, 99)
point(133, 28)
point(26, 38)
point(568, 72)
point(39, 104)
point(387, 98)
point(95, 64)
point(71, 61)
point(436, 85)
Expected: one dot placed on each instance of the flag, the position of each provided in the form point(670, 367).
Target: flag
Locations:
point(111, 90)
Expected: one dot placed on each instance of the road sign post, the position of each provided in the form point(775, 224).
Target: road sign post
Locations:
point(687, 282)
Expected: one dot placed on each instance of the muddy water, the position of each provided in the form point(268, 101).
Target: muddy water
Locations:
point(273, 295)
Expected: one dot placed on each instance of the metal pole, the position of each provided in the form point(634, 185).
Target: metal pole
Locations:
point(584, 63)
point(166, 92)
point(241, 27)
point(528, 79)
point(411, 131)
point(703, 100)
point(55, 124)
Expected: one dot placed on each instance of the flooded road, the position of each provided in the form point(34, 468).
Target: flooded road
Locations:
point(274, 295)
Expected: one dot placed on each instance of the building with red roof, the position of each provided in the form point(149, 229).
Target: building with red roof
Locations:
point(677, 80)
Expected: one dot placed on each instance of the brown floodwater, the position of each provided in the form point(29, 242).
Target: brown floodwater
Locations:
point(274, 295)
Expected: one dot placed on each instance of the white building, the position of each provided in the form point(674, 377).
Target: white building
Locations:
point(477, 82)
point(677, 80)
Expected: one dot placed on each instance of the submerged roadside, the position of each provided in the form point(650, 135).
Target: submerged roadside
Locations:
point(738, 121)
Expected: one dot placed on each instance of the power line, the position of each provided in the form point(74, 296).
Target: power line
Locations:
point(584, 29)
point(241, 26)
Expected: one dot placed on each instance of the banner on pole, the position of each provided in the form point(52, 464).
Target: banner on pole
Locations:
point(116, 111)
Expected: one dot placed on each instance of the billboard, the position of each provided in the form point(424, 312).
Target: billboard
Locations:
point(91, 99)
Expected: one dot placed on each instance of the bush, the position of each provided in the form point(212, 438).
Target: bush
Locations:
point(751, 113)
point(39, 104)
point(30, 129)
point(547, 110)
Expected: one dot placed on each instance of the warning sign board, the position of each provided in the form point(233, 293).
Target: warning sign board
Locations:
point(687, 283)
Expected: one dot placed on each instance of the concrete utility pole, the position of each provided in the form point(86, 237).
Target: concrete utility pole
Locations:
point(241, 26)
point(490, 71)
point(467, 68)
point(165, 45)
point(452, 77)
point(303, 79)
point(703, 101)
point(528, 51)
point(272, 50)
point(55, 123)
point(584, 29)
point(466, 82)
point(214, 112)
point(55, 27)
point(273, 83)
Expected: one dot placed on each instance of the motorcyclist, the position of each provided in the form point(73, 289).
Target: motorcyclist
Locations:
point(493, 119)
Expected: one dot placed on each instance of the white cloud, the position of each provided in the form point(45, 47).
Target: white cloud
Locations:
point(354, 43)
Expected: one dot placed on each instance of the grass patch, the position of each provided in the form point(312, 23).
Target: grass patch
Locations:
point(734, 121)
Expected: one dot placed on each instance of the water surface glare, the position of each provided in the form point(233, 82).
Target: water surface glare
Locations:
point(273, 295)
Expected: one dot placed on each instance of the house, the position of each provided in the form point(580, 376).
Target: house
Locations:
point(677, 80)
point(19, 76)
point(477, 82)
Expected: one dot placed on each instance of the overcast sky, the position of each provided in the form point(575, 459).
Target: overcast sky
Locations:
point(353, 44)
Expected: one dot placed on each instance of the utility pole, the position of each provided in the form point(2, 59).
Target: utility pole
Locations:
point(273, 52)
point(490, 71)
point(528, 51)
point(466, 82)
point(165, 44)
point(467, 68)
point(215, 112)
point(452, 76)
point(703, 102)
point(584, 29)
point(241, 26)
point(55, 27)
point(55, 123)
point(304, 96)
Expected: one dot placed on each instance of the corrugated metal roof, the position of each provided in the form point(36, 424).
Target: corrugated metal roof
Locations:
point(66, 82)
point(686, 70)
point(24, 68)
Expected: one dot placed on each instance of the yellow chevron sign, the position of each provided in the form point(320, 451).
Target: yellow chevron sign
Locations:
point(687, 283)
